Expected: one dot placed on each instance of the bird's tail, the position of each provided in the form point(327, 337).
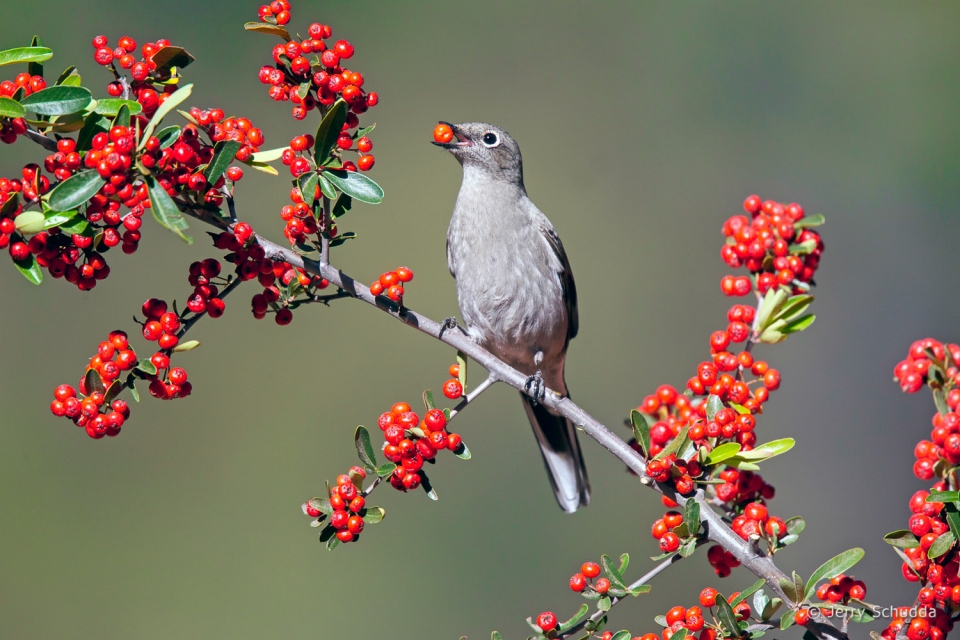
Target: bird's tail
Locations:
point(557, 437)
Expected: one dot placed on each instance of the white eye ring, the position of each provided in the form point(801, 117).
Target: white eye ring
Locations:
point(490, 139)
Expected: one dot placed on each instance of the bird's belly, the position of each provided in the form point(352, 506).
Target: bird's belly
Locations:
point(515, 315)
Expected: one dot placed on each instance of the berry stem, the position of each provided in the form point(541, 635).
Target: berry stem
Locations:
point(470, 397)
point(188, 324)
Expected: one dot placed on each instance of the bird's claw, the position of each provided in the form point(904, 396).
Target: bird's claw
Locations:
point(535, 387)
point(448, 323)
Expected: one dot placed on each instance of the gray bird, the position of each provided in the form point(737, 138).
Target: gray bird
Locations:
point(515, 289)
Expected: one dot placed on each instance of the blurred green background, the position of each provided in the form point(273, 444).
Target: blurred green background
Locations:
point(643, 126)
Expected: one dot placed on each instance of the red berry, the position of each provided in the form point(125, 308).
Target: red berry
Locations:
point(547, 621)
point(670, 542)
point(452, 389)
point(708, 597)
point(578, 582)
point(802, 617)
point(590, 569)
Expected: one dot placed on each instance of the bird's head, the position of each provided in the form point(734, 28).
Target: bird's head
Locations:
point(486, 148)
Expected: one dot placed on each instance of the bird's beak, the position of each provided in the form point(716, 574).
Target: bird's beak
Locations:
point(461, 139)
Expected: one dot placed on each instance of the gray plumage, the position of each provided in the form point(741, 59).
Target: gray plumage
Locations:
point(515, 288)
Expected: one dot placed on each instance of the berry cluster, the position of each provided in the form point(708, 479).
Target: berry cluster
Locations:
point(841, 589)
point(285, 287)
point(391, 284)
point(588, 581)
point(180, 165)
point(929, 546)
point(98, 409)
point(722, 561)
point(24, 84)
point(148, 79)
point(321, 80)
point(774, 244)
point(163, 327)
point(410, 443)
point(347, 503)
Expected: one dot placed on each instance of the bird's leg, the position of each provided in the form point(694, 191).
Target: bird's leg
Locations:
point(534, 383)
point(450, 323)
point(535, 387)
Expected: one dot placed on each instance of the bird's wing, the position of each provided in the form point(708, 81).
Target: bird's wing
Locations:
point(566, 281)
point(450, 260)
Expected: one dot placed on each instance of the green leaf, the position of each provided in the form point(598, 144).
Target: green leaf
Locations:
point(674, 444)
point(796, 525)
point(223, 154)
point(496, 636)
point(833, 567)
point(767, 450)
point(30, 269)
point(787, 619)
point(329, 131)
point(798, 325)
point(53, 219)
point(57, 101)
point(641, 589)
point(76, 226)
point(770, 608)
point(343, 205)
point(462, 364)
point(679, 635)
point(772, 302)
point(93, 383)
point(122, 119)
point(35, 68)
point(307, 184)
point(189, 345)
point(624, 562)
point(29, 223)
point(10, 108)
point(333, 543)
point(175, 99)
point(94, 124)
point(641, 431)
point(265, 27)
point(722, 452)
point(165, 210)
point(688, 548)
point(611, 572)
point(624, 635)
point(168, 136)
point(794, 308)
point(941, 545)
point(269, 155)
point(373, 515)
point(361, 439)
point(322, 505)
point(463, 452)
point(428, 402)
point(691, 516)
point(789, 589)
point(815, 220)
point(69, 72)
point(75, 190)
point(427, 486)
point(749, 591)
point(943, 496)
point(714, 405)
point(357, 185)
point(902, 538)
point(384, 470)
point(146, 366)
point(170, 56)
point(577, 617)
point(111, 107)
point(728, 619)
point(604, 604)
point(326, 187)
point(25, 54)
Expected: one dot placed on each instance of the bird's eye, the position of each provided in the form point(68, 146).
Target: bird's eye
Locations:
point(490, 139)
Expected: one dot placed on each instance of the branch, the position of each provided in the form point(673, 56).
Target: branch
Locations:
point(42, 140)
point(644, 579)
point(716, 530)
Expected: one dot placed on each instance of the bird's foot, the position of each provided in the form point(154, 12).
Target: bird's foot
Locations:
point(449, 323)
point(535, 387)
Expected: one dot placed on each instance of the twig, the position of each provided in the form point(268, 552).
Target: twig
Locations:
point(42, 140)
point(470, 397)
